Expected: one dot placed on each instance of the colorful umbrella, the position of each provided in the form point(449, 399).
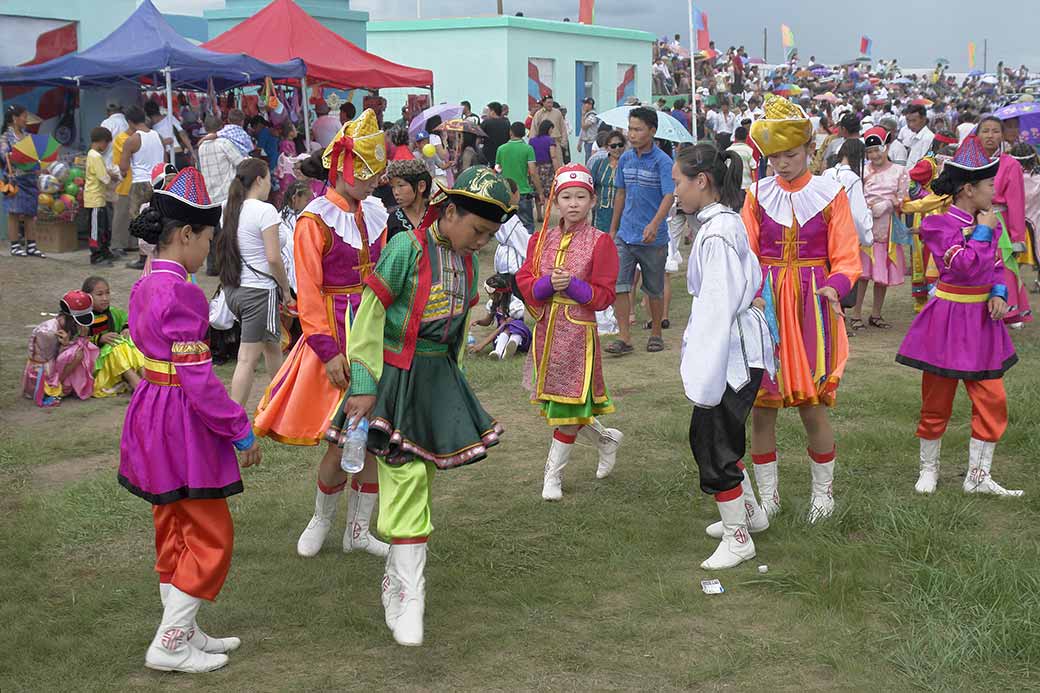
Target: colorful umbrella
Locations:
point(460, 125)
point(1028, 115)
point(31, 151)
point(829, 97)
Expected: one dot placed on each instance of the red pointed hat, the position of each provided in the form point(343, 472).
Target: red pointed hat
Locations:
point(186, 199)
point(573, 176)
point(970, 163)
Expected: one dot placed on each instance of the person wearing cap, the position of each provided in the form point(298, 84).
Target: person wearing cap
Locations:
point(801, 228)
point(885, 186)
point(406, 342)
point(182, 430)
point(959, 335)
point(61, 355)
point(339, 238)
point(589, 126)
point(570, 273)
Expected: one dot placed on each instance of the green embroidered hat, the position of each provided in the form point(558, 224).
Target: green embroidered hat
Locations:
point(480, 190)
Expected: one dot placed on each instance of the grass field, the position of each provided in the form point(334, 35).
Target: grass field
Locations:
point(597, 592)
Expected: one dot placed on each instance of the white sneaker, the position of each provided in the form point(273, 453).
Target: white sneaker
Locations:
point(978, 479)
point(511, 347)
point(313, 538)
point(607, 442)
point(821, 505)
point(404, 592)
point(198, 639)
point(552, 484)
point(767, 476)
point(757, 519)
point(170, 649)
point(736, 545)
point(358, 535)
point(928, 477)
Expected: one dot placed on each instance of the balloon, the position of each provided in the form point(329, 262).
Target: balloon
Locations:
point(77, 172)
point(79, 181)
point(46, 200)
point(58, 207)
point(49, 183)
point(71, 189)
point(68, 201)
point(429, 151)
point(59, 169)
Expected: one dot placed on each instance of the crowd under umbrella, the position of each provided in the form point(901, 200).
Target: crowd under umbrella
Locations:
point(1028, 115)
point(446, 111)
point(668, 128)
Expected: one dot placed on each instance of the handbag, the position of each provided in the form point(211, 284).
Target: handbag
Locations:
point(220, 316)
point(899, 233)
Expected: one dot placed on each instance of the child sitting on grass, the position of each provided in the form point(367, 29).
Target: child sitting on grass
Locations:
point(119, 363)
point(61, 358)
point(507, 312)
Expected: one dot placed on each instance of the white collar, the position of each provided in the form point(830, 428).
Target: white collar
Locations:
point(784, 206)
point(343, 223)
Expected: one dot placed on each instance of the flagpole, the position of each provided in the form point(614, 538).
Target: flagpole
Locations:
point(693, 71)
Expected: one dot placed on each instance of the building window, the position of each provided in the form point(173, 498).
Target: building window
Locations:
point(626, 82)
point(584, 86)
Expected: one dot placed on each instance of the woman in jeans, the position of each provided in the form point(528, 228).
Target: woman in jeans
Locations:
point(252, 272)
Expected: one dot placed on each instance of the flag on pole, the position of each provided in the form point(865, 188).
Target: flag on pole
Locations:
point(865, 44)
point(586, 11)
point(971, 55)
point(700, 25)
point(787, 41)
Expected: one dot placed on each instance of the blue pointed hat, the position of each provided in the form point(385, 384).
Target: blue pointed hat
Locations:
point(970, 164)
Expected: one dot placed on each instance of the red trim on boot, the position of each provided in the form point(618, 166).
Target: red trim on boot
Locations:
point(740, 465)
point(822, 457)
point(564, 438)
point(165, 578)
point(732, 494)
point(411, 540)
point(764, 458)
point(331, 490)
point(364, 488)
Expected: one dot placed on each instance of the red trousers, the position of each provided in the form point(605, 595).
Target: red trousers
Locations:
point(193, 542)
point(988, 407)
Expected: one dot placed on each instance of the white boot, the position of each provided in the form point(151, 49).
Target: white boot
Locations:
point(359, 516)
point(767, 476)
point(978, 479)
point(198, 639)
point(559, 456)
point(312, 539)
point(821, 505)
point(929, 474)
point(404, 592)
point(757, 520)
point(170, 649)
point(736, 545)
point(607, 441)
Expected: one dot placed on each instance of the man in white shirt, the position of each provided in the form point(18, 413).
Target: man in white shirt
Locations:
point(116, 124)
point(325, 127)
point(917, 137)
point(746, 154)
point(218, 159)
point(965, 126)
point(170, 130)
point(723, 121)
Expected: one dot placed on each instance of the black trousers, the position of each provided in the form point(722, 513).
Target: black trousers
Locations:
point(717, 437)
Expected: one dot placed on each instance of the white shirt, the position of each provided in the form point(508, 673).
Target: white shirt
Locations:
point(747, 156)
point(324, 129)
point(286, 231)
point(115, 123)
point(726, 336)
point(918, 143)
point(166, 128)
point(861, 215)
point(897, 152)
point(719, 122)
point(255, 217)
point(512, 237)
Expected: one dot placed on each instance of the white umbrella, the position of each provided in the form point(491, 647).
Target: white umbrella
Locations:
point(668, 128)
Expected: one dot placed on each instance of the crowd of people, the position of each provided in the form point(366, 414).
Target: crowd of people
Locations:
point(352, 270)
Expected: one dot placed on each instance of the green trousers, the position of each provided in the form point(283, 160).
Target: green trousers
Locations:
point(404, 500)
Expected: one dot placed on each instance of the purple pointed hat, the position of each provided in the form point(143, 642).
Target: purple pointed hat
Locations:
point(970, 164)
point(186, 199)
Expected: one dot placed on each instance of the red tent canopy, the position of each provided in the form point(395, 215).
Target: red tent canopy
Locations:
point(283, 30)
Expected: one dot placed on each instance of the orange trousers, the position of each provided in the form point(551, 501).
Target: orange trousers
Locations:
point(988, 407)
point(193, 542)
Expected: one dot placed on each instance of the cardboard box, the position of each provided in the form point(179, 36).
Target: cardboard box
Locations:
point(56, 236)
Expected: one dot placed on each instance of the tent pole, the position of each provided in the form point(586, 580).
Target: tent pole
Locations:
point(306, 113)
point(169, 111)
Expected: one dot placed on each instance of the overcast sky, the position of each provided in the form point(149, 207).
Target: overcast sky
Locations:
point(914, 31)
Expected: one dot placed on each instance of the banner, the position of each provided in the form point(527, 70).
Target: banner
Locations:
point(865, 44)
point(626, 82)
point(700, 25)
point(971, 55)
point(586, 11)
point(539, 80)
point(787, 41)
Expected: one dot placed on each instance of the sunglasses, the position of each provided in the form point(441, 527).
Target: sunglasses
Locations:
point(616, 145)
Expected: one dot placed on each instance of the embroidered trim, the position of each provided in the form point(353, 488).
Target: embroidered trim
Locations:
point(190, 353)
point(951, 254)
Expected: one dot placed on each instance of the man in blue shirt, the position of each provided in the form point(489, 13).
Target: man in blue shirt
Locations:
point(644, 197)
point(679, 114)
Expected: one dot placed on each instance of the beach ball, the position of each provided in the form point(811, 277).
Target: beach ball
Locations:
point(79, 181)
point(59, 169)
point(49, 183)
point(429, 151)
point(68, 201)
point(58, 207)
point(45, 200)
point(71, 189)
point(77, 172)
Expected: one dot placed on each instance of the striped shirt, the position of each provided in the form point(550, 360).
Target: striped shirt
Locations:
point(646, 180)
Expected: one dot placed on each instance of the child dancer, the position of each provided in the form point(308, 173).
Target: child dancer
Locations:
point(568, 275)
point(405, 345)
point(182, 429)
point(507, 312)
point(801, 229)
point(921, 202)
point(119, 362)
point(959, 334)
point(726, 345)
point(338, 239)
point(884, 187)
point(61, 356)
point(1026, 156)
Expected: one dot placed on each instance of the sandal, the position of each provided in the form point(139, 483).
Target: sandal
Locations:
point(655, 344)
point(857, 324)
point(618, 348)
point(32, 251)
point(879, 322)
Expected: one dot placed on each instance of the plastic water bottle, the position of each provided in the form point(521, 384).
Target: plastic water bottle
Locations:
point(353, 459)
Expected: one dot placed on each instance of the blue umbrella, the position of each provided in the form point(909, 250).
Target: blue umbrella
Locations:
point(1028, 115)
point(976, 73)
point(668, 128)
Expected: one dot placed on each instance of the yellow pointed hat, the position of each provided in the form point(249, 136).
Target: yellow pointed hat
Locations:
point(784, 126)
point(358, 151)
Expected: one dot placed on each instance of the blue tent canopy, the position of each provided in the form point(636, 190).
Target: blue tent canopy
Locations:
point(144, 45)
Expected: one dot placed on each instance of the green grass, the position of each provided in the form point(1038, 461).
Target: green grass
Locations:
point(598, 592)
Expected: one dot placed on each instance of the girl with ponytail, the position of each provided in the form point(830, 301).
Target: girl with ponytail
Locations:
point(726, 347)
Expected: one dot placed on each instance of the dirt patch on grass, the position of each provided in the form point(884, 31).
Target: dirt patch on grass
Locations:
point(56, 475)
